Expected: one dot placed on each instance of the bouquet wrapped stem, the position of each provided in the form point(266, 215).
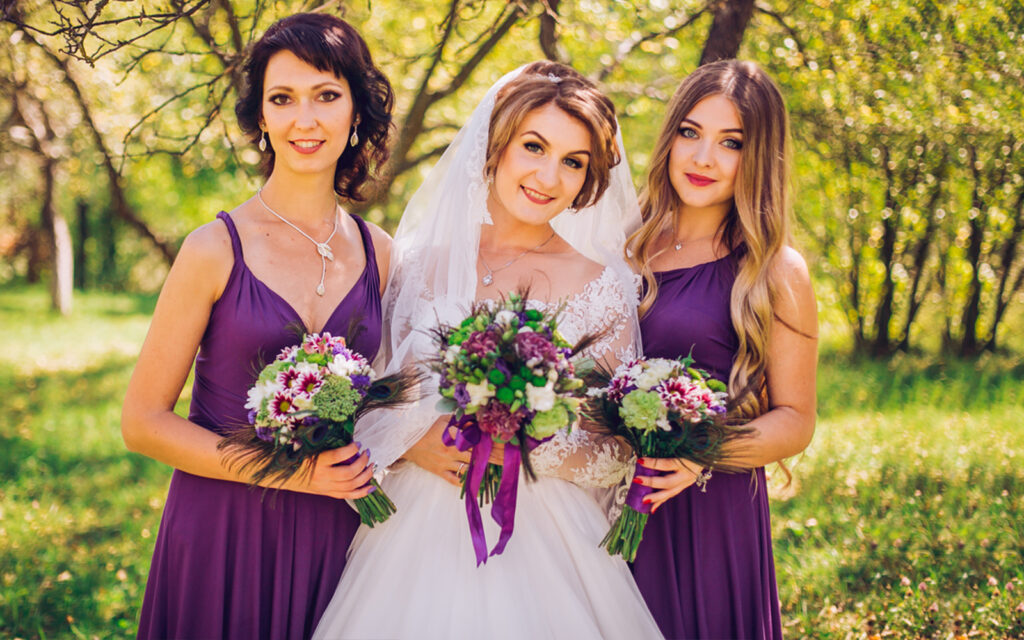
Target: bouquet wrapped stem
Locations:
point(306, 402)
point(506, 377)
point(664, 409)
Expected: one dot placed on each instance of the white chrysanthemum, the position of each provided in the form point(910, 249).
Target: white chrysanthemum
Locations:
point(479, 394)
point(452, 353)
point(657, 370)
point(540, 398)
point(505, 317)
point(260, 392)
point(343, 365)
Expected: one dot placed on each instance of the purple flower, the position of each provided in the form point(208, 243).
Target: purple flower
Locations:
point(252, 417)
point(359, 382)
point(502, 366)
point(480, 343)
point(535, 348)
point(461, 395)
point(265, 433)
point(494, 419)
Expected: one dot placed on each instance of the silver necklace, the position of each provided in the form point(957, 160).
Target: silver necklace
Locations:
point(488, 278)
point(679, 243)
point(322, 248)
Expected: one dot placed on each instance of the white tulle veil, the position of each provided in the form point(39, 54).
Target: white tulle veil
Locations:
point(434, 266)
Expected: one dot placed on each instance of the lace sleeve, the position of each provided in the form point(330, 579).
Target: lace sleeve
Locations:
point(580, 455)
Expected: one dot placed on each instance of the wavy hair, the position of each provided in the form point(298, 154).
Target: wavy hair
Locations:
point(540, 84)
point(757, 225)
point(329, 44)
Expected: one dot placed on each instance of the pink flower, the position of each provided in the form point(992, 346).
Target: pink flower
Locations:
point(480, 343)
point(534, 348)
point(281, 406)
point(309, 383)
point(494, 419)
point(288, 378)
point(287, 353)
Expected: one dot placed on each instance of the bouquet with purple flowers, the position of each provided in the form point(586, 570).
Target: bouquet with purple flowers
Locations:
point(506, 377)
point(664, 409)
point(307, 401)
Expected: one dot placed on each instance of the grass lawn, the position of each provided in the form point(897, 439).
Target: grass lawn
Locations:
point(904, 518)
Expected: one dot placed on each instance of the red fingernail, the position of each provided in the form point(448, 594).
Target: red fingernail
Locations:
point(647, 501)
point(654, 509)
point(641, 461)
point(637, 481)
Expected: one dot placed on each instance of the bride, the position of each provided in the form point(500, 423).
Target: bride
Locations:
point(534, 190)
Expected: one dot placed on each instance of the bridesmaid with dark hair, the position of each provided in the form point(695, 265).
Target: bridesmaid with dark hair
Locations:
point(722, 280)
point(230, 561)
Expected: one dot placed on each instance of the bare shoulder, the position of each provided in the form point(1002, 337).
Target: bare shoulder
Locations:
point(210, 243)
point(795, 302)
point(382, 249)
point(206, 257)
point(381, 238)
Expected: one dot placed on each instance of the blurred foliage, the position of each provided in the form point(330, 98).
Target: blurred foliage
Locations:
point(906, 117)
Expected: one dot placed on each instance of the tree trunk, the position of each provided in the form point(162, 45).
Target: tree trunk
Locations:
point(886, 254)
point(62, 263)
point(548, 35)
point(726, 33)
point(81, 257)
point(972, 309)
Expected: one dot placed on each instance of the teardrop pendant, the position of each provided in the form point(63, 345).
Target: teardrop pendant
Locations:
point(320, 290)
point(487, 280)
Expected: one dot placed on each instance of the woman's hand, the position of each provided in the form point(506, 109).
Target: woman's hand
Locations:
point(679, 476)
point(330, 476)
point(431, 454)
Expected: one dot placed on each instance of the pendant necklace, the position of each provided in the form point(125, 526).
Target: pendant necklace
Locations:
point(322, 248)
point(679, 243)
point(489, 276)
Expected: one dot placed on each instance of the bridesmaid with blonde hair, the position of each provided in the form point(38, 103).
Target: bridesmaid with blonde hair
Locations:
point(722, 281)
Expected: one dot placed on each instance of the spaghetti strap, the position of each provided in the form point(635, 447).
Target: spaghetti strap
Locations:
point(236, 242)
point(371, 254)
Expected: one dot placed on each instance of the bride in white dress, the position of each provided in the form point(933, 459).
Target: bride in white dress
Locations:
point(534, 190)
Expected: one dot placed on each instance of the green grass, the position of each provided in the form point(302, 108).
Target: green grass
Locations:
point(903, 519)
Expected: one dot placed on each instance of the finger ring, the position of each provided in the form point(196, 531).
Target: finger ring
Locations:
point(462, 466)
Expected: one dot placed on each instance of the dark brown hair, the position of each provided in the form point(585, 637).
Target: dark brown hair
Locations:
point(542, 83)
point(329, 44)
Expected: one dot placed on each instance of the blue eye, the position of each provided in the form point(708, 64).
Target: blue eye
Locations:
point(732, 143)
point(573, 163)
point(688, 132)
point(533, 147)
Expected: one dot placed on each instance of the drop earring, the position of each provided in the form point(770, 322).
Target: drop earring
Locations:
point(263, 141)
point(354, 138)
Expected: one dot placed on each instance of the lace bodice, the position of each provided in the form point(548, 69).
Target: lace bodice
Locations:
point(578, 454)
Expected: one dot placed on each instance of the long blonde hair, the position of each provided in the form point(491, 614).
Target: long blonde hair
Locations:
point(758, 221)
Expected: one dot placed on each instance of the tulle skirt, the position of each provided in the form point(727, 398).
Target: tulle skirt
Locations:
point(415, 576)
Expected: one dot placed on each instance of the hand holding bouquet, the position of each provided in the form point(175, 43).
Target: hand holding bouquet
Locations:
point(506, 377)
point(307, 401)
point(664, 409)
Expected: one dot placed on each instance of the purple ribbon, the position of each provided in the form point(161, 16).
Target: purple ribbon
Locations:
point(637, 492)
point(469, 436)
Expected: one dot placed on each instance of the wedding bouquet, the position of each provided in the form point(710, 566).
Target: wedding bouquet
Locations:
point(307, 401)
point(506, 377)
point(664, 409)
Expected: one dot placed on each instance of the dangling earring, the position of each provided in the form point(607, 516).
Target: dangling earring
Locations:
point(354, 139)
point(263, 141)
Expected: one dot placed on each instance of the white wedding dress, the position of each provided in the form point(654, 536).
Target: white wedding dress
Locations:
point(415, 576)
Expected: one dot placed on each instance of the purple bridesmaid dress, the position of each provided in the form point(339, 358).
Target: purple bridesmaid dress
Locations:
point(705, 564)
point(231, 561)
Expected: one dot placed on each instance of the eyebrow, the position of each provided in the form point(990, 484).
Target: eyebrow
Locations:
point(314, 87)
point(697, 124)
point(545, 141)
